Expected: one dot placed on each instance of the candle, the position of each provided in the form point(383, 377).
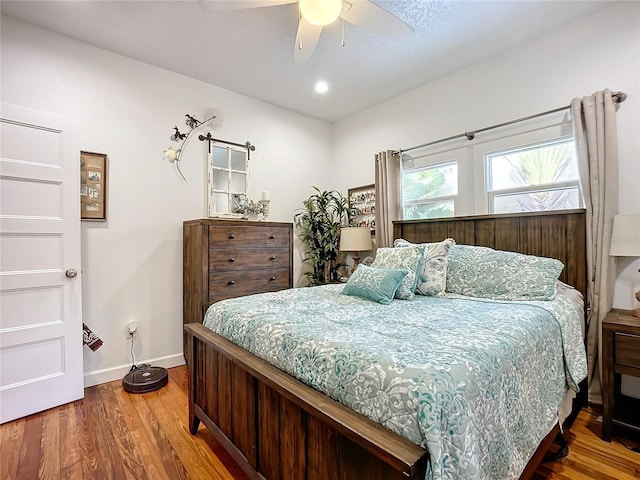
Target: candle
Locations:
point(265, 195)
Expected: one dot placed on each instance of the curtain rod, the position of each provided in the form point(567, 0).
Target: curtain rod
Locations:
point(618, 97)
point(208, 137)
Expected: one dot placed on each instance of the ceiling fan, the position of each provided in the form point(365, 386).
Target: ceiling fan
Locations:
point(315, 14)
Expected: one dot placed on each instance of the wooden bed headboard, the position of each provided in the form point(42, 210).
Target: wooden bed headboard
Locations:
point(560, 235)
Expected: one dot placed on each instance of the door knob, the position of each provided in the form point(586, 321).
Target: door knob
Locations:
point(71, 273)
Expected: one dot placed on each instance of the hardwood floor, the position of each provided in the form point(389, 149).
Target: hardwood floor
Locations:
point(112, 434)
point(115, 435)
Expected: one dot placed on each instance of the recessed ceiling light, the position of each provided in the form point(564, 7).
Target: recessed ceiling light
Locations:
point(322, 87)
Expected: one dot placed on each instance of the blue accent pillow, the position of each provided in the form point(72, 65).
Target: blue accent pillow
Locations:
point(487, 273)
point(377, 284)
point(408, 258)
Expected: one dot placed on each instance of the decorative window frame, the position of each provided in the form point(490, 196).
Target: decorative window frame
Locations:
point(229, 187)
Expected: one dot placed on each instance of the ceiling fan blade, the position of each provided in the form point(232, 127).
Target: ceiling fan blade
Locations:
point(217, 5)
point(375, 19)
point(306, 41)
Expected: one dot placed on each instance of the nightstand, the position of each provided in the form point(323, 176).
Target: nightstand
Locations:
point(620, 355)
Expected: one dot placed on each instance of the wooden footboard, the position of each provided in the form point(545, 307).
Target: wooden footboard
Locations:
point(276, 427)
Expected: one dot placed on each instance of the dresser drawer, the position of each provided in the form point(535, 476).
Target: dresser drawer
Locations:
point(231, 236)
point(230, 293)
point(627, 350)
point(248, 281)
point(222, 259)
point(235, 294)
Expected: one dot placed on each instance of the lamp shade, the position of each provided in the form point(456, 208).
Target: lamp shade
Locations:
point(625, 236)
point(355, 239)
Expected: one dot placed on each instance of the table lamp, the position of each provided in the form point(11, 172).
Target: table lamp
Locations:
point(355, 239)
point(625, 241)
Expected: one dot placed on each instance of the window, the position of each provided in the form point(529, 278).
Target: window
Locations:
point(228, 177)
point(537, 177)
point(527, 166)
point(430, 192)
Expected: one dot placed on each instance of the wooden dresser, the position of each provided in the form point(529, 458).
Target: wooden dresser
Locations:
point(231, 258)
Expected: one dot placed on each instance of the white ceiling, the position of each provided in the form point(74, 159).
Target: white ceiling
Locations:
point(251, 51)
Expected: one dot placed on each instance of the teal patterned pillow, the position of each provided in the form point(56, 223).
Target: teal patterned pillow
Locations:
point(377, 284)
point(487, 273)
point(408, 259)
point(432, 277)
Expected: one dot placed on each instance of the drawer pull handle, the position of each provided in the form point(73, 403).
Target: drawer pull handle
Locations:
point(272, 278)
point(232, 259)
point(232, 236)
point(272, 237)
point(273, 259)
point(231, 282)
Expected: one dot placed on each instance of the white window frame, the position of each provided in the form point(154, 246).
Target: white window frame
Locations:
point(538, 137)
point(541, 187)
point(432, 200)
point(436, 158)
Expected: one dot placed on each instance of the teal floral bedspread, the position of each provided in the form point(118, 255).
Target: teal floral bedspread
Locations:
point(475, 382)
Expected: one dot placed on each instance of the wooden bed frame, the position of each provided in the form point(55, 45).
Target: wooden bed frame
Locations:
point(276, 427)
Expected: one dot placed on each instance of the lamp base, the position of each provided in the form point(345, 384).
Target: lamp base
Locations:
point(356, 262)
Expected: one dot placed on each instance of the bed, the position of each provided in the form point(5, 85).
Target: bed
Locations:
point(276, 426)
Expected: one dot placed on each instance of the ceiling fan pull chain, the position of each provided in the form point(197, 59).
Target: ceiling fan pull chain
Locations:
point(299, 21)
point(342, 20)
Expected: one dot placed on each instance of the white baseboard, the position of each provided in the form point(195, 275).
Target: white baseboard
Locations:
point(117, 373)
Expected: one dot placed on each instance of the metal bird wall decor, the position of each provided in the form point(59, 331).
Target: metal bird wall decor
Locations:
point(174, 155)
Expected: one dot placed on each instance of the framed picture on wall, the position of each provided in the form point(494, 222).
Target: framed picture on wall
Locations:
point(362, 207)
point(93, 186)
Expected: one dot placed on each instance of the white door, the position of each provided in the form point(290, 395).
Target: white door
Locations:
point(40, 305)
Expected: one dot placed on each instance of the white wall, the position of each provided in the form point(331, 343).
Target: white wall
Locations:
point(596, 52)
point(132, 264)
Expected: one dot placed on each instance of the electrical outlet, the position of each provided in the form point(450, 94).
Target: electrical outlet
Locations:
point(132, 326)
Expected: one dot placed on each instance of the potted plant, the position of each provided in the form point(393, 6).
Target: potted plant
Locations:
point(249, 209)
point(253, 210)
point(319, 223)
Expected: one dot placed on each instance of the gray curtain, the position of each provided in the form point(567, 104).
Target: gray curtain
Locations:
point(594, 126)
point(388, 196)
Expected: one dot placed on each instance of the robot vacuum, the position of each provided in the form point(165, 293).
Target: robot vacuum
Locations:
point(145, 378)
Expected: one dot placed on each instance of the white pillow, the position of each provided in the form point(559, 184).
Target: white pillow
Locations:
point(408, 259)
point(487, 273)
point(432, 277)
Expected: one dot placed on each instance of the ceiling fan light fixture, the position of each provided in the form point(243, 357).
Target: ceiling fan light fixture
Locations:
point(320, 12)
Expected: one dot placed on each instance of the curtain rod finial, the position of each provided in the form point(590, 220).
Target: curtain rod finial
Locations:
point(620, 97)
